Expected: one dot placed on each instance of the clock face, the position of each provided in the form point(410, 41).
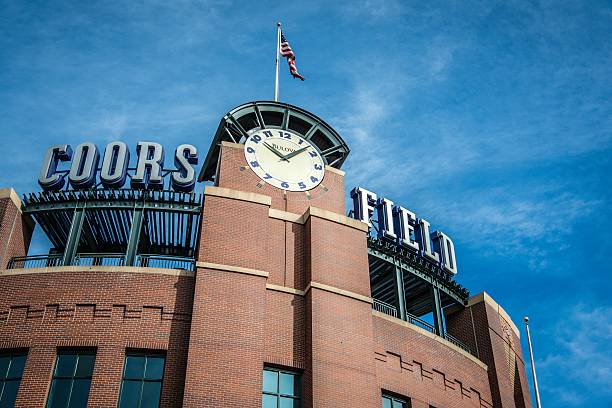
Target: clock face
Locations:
point(285, 160)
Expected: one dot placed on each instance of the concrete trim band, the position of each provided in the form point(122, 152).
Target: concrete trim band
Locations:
point(235, 269)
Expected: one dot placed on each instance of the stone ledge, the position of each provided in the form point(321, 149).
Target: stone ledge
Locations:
point(338, 291)
point(335, 217)
point(286, 216)
point(322, 286)
point(231, 268)
point(334, 170)
point(12, 194)
point(232, 145)
point(237, 195)
point(431, 336)
point(285, 289)
point(113, 269)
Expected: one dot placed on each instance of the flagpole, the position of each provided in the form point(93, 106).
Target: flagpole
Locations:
point(533, 371)
point(278, 37)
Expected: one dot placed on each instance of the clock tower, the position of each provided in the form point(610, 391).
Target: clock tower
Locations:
point(282, 276)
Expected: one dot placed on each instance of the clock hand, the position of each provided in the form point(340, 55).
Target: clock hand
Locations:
point(295, 153)
point(276, 152)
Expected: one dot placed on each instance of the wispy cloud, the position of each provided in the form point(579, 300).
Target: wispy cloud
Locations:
point(582, 354)
point(531, 226)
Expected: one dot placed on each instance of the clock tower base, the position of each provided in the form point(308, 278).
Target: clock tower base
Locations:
point(282, 281)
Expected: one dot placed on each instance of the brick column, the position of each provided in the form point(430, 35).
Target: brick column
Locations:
point(339, 314)
point(488, 330)
point(36, 377)
point(226, 346)
point(15, 228)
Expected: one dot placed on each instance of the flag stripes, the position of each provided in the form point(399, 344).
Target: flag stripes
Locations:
point(287, 52)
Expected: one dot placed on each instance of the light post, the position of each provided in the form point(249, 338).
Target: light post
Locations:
point(533, 370)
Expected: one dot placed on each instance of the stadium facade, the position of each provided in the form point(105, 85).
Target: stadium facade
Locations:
point(262, 291)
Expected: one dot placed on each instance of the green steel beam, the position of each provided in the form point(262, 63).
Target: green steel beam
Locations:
point(134, 239)
point(401, 299)
point(74, 235)
point(437, 311)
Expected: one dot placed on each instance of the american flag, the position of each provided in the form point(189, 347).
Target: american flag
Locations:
point(287, 52)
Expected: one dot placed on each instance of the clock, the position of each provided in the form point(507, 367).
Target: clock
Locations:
point(284, 160)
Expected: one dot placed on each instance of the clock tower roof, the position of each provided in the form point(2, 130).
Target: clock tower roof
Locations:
point(242, 121)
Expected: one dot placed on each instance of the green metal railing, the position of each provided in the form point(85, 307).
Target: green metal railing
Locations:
point(103, 259)
point(96, 259)
point(391, 310)
point(35, 261)
point(384, 307)
point(164, 261)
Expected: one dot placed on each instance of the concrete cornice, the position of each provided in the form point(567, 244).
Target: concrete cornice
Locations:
point(237, 195)
point(285, 289)
point(432, 336)
point(112, 269)
point(286, 216)
point(232, 145)
point(335, 217)
point(338, 291)
point(319, 213)
point(487, 299)
point(321, 286)
point(335, 170)
point(231, 268)
point(12, 194)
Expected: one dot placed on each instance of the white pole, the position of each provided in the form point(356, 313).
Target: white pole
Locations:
point(278, 38)
point(533, 371)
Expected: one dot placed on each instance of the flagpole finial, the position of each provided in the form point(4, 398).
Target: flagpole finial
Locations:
point(278, 24)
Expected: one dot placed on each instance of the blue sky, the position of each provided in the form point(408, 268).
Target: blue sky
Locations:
point(493, 120)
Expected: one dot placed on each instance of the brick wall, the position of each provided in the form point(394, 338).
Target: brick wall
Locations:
point(89, 307)
point(340, 325)
point(427, 369)
point(488, 329)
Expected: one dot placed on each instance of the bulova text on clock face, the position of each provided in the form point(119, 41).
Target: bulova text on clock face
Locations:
point(285, 160)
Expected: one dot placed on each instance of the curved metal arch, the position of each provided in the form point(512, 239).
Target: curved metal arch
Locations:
point(418, 267)
point(239, 123)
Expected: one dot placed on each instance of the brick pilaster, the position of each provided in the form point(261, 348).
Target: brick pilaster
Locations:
point(489, 331)
point(15, 228)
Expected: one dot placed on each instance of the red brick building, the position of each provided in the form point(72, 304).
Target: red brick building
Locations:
point(248, 296)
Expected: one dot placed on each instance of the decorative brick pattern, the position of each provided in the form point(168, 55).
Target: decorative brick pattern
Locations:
point(417, 366)
point(108, 311)
point(483, 327)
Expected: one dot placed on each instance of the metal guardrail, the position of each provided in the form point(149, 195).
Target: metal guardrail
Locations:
point(102, 259)
point(391, 310)
point(457, 342)
point(384, 307)
point(420, 322)
point(163, 261)
point(92, 259)
point(35, 261)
